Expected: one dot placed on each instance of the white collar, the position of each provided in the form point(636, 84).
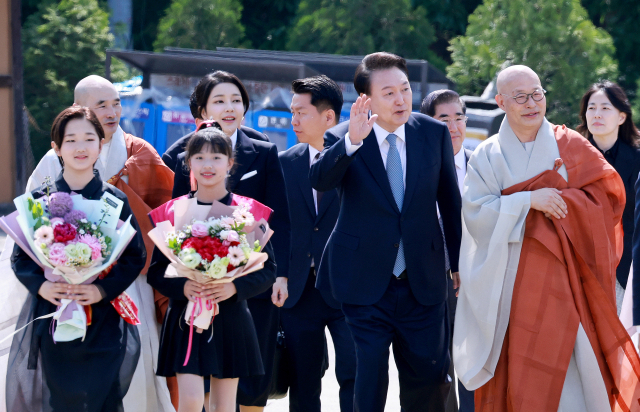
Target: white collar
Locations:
point(460, 159)
point(234, 139)
point(381, 134)
point(312, 153)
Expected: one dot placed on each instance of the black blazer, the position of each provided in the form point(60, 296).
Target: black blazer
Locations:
point(170, 157)
point(627, 165)
point(361, 252)
point(309, 231)
point(266, 186)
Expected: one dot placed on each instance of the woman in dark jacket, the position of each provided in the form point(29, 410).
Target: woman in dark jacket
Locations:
point(607, 123)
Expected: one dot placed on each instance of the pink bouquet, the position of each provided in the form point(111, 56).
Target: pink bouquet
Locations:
point(210, 244)
point(74, 240)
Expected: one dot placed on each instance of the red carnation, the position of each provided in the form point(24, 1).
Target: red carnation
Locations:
point(230, 267)
point(64, 233)
point(193, 242)
point(234, 244)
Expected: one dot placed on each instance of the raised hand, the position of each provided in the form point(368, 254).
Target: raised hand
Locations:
point(549, 202)
point(360, 124)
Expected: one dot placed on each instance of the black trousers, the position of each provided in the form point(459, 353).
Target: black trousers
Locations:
point(254, 390)
point(420, 338)
point(304, 330)
point(464, 396)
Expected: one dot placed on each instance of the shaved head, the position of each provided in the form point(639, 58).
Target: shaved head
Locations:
point(510, 78)
point(524, 118)
point(101, 96)
point(88, 86)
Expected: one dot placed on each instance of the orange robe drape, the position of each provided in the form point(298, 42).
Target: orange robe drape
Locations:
point(566, 276)
point(150, 185)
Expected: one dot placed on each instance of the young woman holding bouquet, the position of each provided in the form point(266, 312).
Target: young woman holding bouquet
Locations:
point(229, 349)
point(90, 374)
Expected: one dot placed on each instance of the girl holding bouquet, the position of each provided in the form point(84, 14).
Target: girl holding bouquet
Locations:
point(229, 349)
point(90, 374)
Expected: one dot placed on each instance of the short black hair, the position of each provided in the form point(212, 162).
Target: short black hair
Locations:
point(200, 95)
point(373, 62)
point(193, 105)
point(434, 99)
point(325, 93)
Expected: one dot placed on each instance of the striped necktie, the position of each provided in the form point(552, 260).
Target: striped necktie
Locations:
point(396, 180)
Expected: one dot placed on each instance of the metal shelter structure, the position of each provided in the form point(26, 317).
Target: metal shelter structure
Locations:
point(263, 65)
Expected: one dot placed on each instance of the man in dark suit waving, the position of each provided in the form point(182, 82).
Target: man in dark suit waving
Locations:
point(447, 106)
point(385, 258)
point(315, 107)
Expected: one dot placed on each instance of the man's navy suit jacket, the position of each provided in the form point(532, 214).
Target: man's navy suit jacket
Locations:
point(359, 258)
point(266, 186)
point(309, 231)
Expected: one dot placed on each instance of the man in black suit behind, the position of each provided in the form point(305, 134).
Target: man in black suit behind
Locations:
point(385, 258)
point(315, 107)
point(448, 107)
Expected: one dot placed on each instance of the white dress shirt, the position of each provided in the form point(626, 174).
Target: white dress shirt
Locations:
point(312, 154)
point(460, 160)
point(383, 144)
point(234, 139)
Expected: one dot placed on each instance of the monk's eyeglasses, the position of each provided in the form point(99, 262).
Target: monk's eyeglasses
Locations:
point(522, 98)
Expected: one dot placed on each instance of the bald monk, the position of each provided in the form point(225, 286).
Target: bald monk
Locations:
point(133, 166)
point(536, 323)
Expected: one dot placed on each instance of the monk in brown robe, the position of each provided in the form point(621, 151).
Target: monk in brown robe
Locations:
point(536, 323)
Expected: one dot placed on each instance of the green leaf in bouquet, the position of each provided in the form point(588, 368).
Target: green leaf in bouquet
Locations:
point(256, 246)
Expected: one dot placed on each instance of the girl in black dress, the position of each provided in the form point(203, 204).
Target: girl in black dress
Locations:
point(232, 351)
point(90, 375)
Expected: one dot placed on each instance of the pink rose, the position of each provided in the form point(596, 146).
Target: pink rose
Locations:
point(232, 236)
point(56, 221)
point(57, 257)
point(199, 230)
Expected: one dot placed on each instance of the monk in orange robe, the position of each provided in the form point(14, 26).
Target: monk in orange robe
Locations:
point(536, 323)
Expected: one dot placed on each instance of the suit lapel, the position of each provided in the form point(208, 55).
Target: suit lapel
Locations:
point(415, 152)
point(301, 167)
point(370, 153)
point(245, 155)
point(327, 199)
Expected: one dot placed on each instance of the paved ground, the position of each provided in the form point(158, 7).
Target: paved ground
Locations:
point(330, 388)
point(329, 397)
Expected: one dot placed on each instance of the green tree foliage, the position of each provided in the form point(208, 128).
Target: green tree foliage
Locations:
point(553, 37)
point(449, 19)
point(362, 26)
point(620, 18)
point(201, 24)
point(62, 44)
point(144, 25)
point(267, 23)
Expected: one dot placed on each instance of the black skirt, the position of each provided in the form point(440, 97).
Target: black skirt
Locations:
point(230, 350)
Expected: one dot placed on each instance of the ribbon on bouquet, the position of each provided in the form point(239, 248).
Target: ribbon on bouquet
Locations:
point(199, 314)
point(71, 318)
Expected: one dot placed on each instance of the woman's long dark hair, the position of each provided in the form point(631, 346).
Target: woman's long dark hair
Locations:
point(627, 131)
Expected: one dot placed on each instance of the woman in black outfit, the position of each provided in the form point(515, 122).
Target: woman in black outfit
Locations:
point(607, 123)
